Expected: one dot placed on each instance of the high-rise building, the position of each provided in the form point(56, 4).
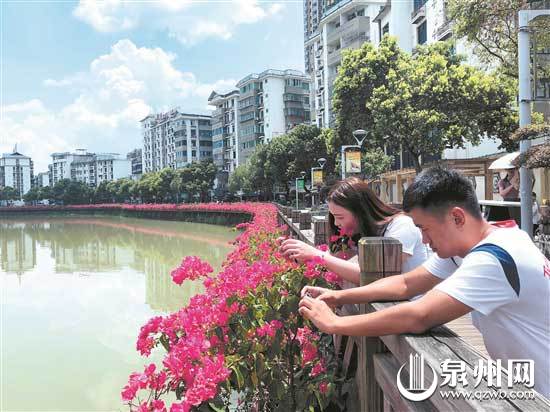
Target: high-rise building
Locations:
point(225, 135)
point(16, 171)
point(42, 179)
point(343, 24)
point(174, 139)
point(136, 159)
point(270, 104)
point(89, 168)
point(225, 130)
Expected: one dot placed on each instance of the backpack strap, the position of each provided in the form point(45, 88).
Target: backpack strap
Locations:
point(505, 260)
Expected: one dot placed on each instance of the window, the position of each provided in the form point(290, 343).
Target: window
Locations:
point(421, 33)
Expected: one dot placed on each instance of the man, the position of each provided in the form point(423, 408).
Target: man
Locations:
point(498, 274)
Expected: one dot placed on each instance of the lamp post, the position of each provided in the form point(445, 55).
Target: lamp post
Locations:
point(359, 136)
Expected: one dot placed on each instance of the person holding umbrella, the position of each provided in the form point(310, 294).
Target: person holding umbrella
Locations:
point(508, 187)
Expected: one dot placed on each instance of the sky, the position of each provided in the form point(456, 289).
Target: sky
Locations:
point(82, 74)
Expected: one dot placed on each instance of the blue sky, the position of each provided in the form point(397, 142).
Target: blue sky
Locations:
point(82, 74)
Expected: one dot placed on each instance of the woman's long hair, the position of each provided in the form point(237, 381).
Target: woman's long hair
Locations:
point(372, 214)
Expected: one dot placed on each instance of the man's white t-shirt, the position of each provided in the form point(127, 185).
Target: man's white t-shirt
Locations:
point(403, 229)
point(507, 284)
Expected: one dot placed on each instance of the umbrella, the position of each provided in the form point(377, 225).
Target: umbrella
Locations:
point(505, 162)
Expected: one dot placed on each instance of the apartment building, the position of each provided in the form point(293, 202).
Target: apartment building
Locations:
point(225, 130)
point(270, 104)
point(174, 139)
point(41, 180)
point(136, 159)
point(89, 168)
point(343, 24)
point(16, 171)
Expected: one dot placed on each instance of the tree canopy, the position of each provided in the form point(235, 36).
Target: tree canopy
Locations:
point(423, 102)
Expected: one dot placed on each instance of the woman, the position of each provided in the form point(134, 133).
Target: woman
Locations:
point(508, 187)
point(354, 208)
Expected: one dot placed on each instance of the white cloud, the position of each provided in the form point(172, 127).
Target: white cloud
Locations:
point(187, 21)
point(107, 15)
point(118, 90)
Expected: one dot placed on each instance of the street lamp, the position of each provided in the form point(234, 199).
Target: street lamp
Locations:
point(359, 135)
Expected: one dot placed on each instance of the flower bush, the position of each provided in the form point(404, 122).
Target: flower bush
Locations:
point(242, 342)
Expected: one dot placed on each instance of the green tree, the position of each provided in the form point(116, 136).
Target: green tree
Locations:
point(260, 177)
point(32, 195)
point(162, 184)
point(361, 72)
point(76, 193)
point(375, 162)
point(492, 27)
point(124, 189)
point(200, 179)
point(422, 103)
point(46, 193)
point(102, 193)
point(147, 187)
point(295, 152)
point(8, 193)
point(240, 179)
point(431, 101)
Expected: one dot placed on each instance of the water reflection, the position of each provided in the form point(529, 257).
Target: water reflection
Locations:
point(87, 245)
point(75, 292)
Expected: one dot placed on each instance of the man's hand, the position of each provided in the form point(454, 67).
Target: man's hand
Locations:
point(296, 249)
point(319, 313)
point(331, 297)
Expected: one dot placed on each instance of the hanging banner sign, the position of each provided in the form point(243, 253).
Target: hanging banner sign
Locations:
point(317, 177)
point(301, 185)
point(353, 161)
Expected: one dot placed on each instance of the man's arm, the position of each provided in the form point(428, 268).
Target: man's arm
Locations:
point(399, 287)
point(435, 308)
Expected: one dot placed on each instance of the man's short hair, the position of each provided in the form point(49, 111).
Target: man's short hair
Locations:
point(437, 189)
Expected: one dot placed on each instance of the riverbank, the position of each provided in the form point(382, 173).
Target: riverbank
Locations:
point(226, 214)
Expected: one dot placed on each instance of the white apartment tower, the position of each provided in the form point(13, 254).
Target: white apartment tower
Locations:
point(225, 130)
point(89, 168)
point(174, 139)
point(343, 24)
point(16, 171)
point(270, 104)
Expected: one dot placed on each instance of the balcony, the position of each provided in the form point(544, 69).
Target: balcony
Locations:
point(354, 40)
point(357, 24)
point(444, 31)
point(217, 113)
point(419, 11)
point(334, 57)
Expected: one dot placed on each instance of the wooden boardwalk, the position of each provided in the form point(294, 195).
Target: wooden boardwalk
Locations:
point(463, 327)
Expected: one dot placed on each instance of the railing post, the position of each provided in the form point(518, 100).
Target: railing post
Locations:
point(321, 230)
point(378, 257)
point(305, 220)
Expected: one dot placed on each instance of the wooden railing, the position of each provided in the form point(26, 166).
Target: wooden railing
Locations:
point(379, 360)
